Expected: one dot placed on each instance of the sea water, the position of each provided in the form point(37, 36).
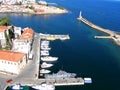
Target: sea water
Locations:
point(82, 54)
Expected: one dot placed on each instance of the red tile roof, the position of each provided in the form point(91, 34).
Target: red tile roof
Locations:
point(11, 56)
point(3, 28)
point(27, 33)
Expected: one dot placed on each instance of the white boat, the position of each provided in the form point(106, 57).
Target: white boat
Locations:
point(45, 42)
point(87, 80)
point(60, 74)
point(49, 58)
point(44, 87)
point(44, 52)
point(46, 65)
point(45, 48)
point(17, 87)
point(44, 71)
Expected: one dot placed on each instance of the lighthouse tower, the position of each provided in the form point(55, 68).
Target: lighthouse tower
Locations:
point(80, 16)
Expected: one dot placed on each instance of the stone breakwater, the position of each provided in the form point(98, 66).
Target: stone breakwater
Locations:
point(112, 35)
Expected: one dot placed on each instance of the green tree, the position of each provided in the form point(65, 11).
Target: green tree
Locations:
point(5, 21)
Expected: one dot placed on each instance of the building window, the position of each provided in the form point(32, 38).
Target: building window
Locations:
point(21, 61)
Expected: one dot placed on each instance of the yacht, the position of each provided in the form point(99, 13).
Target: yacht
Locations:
point(46, 65)
point(44, 87)
point(60, 74)
point(44, 71)
point(44, 52)
point(49, 58)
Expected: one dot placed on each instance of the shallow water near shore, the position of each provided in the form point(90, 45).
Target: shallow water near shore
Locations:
point(82, 54)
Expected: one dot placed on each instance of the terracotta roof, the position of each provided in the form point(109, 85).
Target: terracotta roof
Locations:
point(11, 56)
point(27, 33)
point(3, 28)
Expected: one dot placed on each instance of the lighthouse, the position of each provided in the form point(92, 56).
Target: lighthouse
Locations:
point(80, 16)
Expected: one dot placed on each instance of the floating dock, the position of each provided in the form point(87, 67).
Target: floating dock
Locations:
point(111, 34)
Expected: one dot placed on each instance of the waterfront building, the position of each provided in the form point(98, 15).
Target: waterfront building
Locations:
point(3, 31)
point(12, 62)
point(21, 46)
point(17, 32)
point(24, 44)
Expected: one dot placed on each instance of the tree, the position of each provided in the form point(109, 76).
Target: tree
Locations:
point(5, 21)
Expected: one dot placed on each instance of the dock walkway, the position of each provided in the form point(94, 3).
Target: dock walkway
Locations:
point(54, 37)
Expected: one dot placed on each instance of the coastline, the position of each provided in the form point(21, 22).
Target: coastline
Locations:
point(32, 9)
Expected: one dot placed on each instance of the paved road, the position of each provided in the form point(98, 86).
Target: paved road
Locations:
point(32, 68)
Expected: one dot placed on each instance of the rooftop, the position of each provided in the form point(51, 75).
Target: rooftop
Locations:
point(3, 28)
point(11, 56)
point(27, 33)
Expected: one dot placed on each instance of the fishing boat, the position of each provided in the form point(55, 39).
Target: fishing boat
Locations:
point(46, 65)
point(44, 71)
point(60, 74)
point(49, 58)
point(44, 87)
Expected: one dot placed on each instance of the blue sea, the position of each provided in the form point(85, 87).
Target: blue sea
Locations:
point(82, 54)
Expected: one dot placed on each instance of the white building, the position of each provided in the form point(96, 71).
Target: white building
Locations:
point(24, 44)
point(12, 62)
point(21, 46)
point(17, 32)
point(10, 2)
point(3, 30)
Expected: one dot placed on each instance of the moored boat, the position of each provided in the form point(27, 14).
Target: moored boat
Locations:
point(16, 87)
point(44, 87)
point(44, 47)
point(60, 74)
point(46, 65)
point(44, 52)
point(49, 58)
point(87, 80)
point(44, 71)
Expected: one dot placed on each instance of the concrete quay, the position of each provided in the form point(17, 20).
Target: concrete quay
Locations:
point(111, 34)
point(56, 82)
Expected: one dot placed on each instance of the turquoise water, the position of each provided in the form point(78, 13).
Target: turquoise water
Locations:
point(82, 54)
